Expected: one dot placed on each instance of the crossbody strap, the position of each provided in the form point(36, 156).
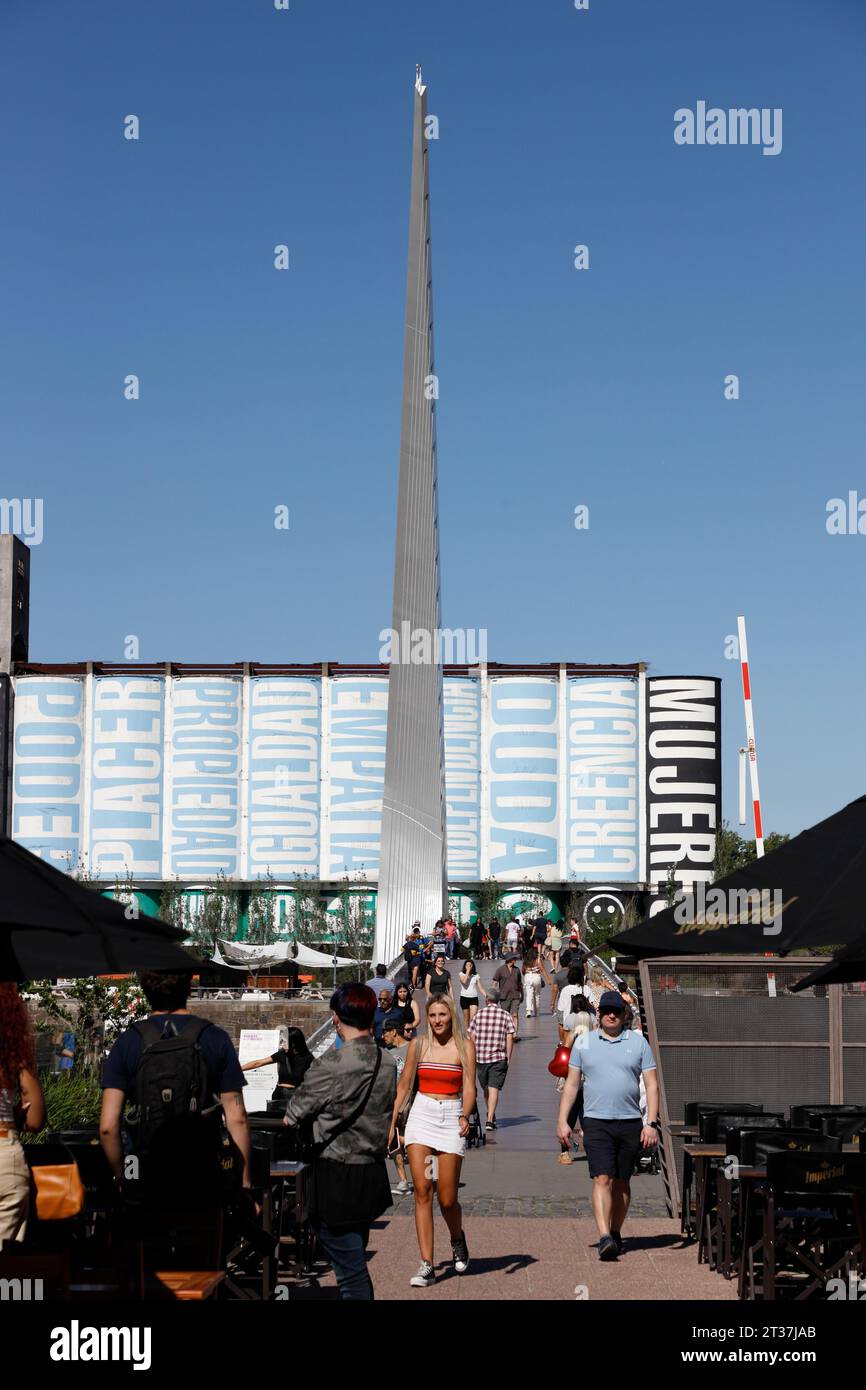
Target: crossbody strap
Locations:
point(359, 1109)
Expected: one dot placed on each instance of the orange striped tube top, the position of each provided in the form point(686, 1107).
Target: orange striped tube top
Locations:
point(440, 1078)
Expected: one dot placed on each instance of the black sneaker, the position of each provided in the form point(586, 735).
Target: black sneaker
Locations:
point(491, 1124)
point(460, 1254)
point(615, 1235)
point(608, 1248)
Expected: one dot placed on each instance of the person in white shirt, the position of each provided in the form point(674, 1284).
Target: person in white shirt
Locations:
point(512, 935)
point(574, 1001)
point(534, 976)
point(470, 988)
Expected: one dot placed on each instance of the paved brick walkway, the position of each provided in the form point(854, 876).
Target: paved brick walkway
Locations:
point(537, 1258)
point(527, 1217)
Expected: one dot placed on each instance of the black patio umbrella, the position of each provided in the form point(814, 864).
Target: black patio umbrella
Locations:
point(845, 967)
point(817, 880)
point(51, 925)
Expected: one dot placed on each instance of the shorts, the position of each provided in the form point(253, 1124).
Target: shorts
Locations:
point(492, 1074)
point(467, 999)
point(511, 1006)
point(611, 1146)
point(435, 1124)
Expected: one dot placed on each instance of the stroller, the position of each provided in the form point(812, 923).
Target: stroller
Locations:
point(476, 1136)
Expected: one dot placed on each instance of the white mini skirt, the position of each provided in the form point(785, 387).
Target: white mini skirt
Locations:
point(436, 1124)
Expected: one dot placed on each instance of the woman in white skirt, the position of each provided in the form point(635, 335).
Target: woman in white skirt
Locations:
point(442, 1067)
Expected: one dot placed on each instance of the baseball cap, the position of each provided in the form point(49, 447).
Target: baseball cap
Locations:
point(611, 1000)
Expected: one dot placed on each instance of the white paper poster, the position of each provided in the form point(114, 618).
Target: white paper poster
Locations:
point(255, 1043)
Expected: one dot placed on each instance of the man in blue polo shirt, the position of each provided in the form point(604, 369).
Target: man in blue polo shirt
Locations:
point(609, 1064)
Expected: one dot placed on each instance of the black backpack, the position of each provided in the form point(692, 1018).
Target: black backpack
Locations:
point(174, 1139)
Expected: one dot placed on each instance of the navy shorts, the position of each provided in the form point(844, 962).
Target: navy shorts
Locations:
point(611, 1146)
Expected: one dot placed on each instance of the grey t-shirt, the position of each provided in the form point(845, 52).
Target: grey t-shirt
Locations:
point(509, 982)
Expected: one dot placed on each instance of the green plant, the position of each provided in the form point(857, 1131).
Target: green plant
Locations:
point(487, 901)
point(172, 905)
point(733, 852)
point(536, 897)
point(104, 1009)
point(217, 917)
point(353, 927)
point(310, 926)
point(72, 1099)
point(262, 929)
point(575, 905)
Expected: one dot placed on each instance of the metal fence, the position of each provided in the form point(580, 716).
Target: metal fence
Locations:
point(726, 1028)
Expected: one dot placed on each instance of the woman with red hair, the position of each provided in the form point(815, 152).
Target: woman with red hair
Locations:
point(17, 1079)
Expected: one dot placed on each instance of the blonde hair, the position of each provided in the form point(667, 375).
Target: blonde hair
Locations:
point(582, 1025)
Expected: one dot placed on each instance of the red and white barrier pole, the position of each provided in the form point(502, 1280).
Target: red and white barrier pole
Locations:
point(750, 736)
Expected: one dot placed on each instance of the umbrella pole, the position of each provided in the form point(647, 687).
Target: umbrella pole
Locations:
point(750, 737)
point(742, 806)
point(753, 762)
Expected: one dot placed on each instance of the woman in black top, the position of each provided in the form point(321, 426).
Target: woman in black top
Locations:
point(476, 933)
point(292, 1057)
point(404, 1008)
point(439, 981)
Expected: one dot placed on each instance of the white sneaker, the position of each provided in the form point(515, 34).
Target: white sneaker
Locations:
point(424, 1278)
point(401, 1188)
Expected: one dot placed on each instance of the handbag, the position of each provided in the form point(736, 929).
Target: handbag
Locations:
point(559, 1065)
point(59, 1191)
point(403, 1113)
point(335, 1193)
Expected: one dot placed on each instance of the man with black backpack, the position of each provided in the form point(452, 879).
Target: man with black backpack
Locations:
point(177, 1071)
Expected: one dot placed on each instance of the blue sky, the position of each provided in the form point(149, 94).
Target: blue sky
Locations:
point(558, 387)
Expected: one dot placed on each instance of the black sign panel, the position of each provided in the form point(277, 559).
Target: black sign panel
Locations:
point(684, 787)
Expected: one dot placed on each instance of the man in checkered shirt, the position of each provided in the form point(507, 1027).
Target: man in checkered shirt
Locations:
point(493, 1033)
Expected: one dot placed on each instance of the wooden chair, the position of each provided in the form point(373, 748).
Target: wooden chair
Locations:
point(714, 1128)
point(813, 1224)
point(182, 1254)
point(692, 1115)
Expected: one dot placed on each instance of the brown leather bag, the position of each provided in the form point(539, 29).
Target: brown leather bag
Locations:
point(59, 1191)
